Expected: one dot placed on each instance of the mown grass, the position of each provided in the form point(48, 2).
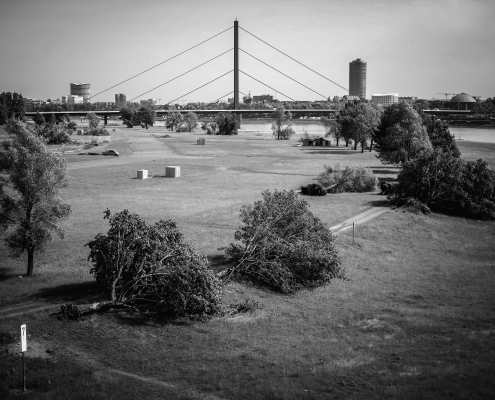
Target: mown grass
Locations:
point(415, 319)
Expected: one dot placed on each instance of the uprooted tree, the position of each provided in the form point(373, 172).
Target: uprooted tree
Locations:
point(143, 265)
point(283, 245)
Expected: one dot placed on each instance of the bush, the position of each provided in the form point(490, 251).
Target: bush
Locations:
point(152, 265)
point(283, 245)
point(442, 181)
point(348, 179)
point(227, 123)
point(313, 189)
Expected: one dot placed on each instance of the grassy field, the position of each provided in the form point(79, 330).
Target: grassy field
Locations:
point(415, 319)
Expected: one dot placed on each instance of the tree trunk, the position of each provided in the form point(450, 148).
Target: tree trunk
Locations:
point(30, 262)
point(371, 144)
point(355, 144)
point(337, 142)
point(362, 146)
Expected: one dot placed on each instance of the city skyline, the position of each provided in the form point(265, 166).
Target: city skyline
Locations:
point(418, 48)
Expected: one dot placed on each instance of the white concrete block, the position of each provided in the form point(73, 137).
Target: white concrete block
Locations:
point(142, 174)
point(172, 171)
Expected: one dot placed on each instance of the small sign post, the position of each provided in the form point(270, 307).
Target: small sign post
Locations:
point(23, 350)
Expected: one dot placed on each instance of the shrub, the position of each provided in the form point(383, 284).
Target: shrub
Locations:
point(282, 244)
point(313, 189)
point(442, 181)
point(348, 179)
point(227, 123)
point(152, 265)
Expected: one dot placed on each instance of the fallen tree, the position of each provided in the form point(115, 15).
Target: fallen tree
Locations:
point(150, 267)
point(283, 245)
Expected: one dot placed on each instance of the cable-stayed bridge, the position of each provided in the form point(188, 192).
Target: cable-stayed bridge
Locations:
point(235, 71)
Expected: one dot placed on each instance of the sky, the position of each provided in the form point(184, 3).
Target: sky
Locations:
point(414, 48)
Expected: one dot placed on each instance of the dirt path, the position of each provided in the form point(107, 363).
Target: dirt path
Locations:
point(361, 218)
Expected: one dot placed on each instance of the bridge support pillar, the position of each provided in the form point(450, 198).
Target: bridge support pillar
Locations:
point(105, 120)
point(236, 65)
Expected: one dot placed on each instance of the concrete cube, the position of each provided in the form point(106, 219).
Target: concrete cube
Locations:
point(200, 141)
point(142, 174)
point(172, 172)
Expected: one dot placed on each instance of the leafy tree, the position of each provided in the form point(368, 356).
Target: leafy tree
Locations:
point(191, 120)
point(282, 244)
point(400, 136)
point(129, 115)
point(358, 122)
point(39, 119)
point(211, 128)
point(93, 121)
point(174, 119)
point(443, 181)
point(146, 116)
point(439, 133)
point(31, 176)
point(282, 124)
point(332, 128)
point(420, 105)
point(12, 105)
point(227, 123)
point(151, 265)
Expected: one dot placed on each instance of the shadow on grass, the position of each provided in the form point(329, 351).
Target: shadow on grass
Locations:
point(150, 318)
point(7, 273)
point(80, 293)
point(382, 202)
point(324, 151)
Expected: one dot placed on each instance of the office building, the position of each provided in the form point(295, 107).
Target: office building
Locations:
point(264, 97)
point(385, 99)
point(149, 102)
point(357, 78)
point(72, 99)
point(81, 89)
point(120, 98)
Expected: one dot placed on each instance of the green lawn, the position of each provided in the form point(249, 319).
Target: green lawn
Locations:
point(415, 319)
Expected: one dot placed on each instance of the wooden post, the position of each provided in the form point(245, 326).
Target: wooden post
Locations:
point(353, 231)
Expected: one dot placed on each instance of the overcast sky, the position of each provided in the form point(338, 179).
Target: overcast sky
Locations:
point(414, 47)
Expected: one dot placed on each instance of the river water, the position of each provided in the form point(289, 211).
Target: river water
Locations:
point(484, 135)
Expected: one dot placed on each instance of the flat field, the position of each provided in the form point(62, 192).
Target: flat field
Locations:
point(416, 319)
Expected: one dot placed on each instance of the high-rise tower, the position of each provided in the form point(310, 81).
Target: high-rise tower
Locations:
point(357, 78)
point(81, 89)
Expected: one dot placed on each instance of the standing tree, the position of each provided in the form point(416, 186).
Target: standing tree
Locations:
point(147, 116)
point(11, 106)
point(39, 119)
point(227, 123)
point(400, 135)
point(93, 121)
point(173, 121)
point(358, 123)
point(332, 128)
point(282, 124)
point(128, 115)
point(30, 208)
point(439, 133)
point(191, 120)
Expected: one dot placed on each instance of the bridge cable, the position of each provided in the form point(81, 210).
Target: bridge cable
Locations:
point(280, 51)
point(214, 101)
point(163, 62)
point(173, 79)
point(280, 72)
point(199, 87)
point(267, 85)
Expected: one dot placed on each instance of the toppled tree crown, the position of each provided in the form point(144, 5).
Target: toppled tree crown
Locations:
point(152, 265)
point(283, 244)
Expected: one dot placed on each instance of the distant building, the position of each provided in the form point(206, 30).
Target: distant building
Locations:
point(120, 98)
point(81, 89)
point(385, 99)
point(461, 101)
point(263, 97)
point(230, 100)
point(149, 102)
point(354, 99)
point(357, 78)
point(70, 99)
point(409, 100)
